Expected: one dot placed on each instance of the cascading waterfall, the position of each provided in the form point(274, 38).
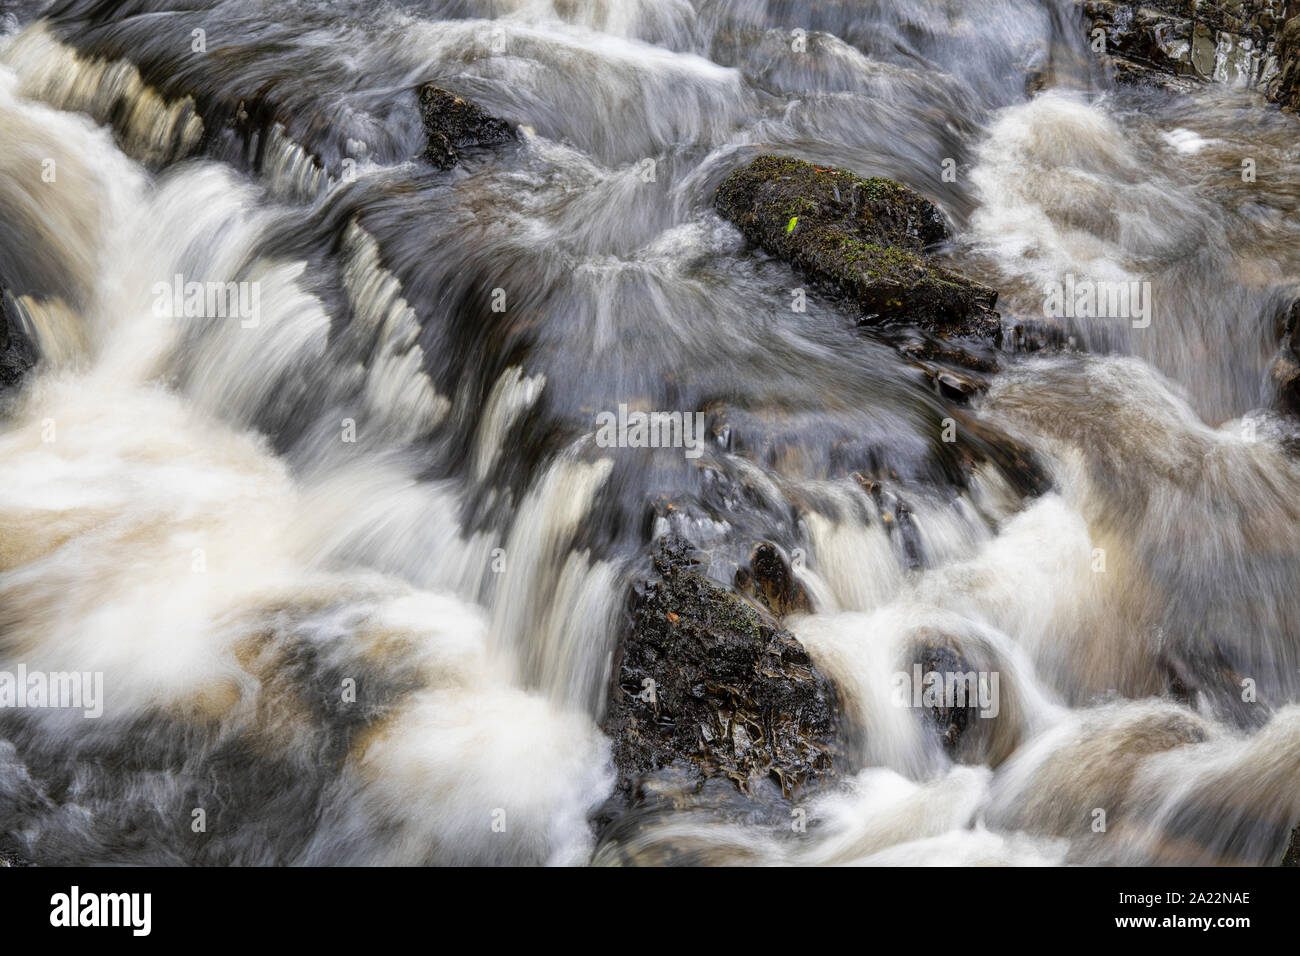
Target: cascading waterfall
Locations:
point(379, 483)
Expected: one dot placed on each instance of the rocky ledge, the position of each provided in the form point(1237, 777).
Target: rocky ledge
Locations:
point(1225, 41)
point(1284, 86)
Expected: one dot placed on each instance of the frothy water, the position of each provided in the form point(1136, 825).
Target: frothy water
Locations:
point(354, 569)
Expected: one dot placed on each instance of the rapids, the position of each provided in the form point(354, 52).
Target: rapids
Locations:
point(389, 483)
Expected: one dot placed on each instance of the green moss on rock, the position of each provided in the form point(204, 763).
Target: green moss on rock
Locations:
point(861, 239)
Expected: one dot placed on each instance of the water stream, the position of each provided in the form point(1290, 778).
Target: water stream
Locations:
point(387, 479)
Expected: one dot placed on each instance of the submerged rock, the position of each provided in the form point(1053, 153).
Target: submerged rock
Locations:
point(941, 654)
point(965, 696)
point(708, 685)
point(452, 124)
point(861, 239)
point(10, 858)
point(17, 353)
point(1292, 856)
point(1285, 370)
point(770, 579)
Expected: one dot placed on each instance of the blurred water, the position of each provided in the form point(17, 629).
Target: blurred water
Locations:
point(388, 481)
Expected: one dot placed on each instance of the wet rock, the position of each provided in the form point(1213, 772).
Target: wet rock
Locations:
point(1284, 86)
point(860, 239)
point(10, 858)
point(942, 655)
point(1292, 856)
point(1285, 370)
point(805, 443)
point(650, 831)
point(896, 518)
point(1226, 41)
point(453, 124)
point(17, 351)
point(1135, 74)
point(966, 696)
point(955, 386)
point(980, 445)
point(770, 579)
point(709, 685)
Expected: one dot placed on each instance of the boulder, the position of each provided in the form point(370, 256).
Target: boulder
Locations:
point(17, 352)
point(864, 240)
point(770, 580)
point(453, 124)
point(711, 687)
point(972, 676)
point(943, 655)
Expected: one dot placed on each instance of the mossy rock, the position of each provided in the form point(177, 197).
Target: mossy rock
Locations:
point(861, 239)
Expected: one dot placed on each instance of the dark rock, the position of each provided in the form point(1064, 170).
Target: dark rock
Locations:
point(1220, 40)
point(1285, 370)
point(1292, 857)
point(896, 517)
point(942, 655)
point(453, 124)
point(10, 858)
point(861, 239)
point(770, 580)
point(924, 349)
point(649, 831)
point(1284, 86)
point(966, 732)
point(954, 386)
point(709, 685)
point(17, 351)
point(981, 444)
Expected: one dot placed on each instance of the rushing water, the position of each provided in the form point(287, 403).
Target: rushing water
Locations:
point(386, 480)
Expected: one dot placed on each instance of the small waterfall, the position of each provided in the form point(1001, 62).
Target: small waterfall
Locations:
point(308, 469)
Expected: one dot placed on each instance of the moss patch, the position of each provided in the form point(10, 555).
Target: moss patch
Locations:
point(858, 239)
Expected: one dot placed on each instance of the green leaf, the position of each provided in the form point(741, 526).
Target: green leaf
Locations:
point(790, 228)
